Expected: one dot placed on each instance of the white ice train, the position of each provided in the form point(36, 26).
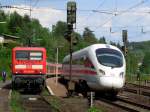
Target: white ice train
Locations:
point(99, 67)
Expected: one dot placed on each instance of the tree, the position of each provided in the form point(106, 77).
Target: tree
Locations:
point(113, 43)
point(26, 19)
point(102, 40)
point(15, 22)
point(3, 18)
point(59, 29)
point(89, 36)
point(118, 45)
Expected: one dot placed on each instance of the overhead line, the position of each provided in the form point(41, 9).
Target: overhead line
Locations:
point(82, 10)
point(122, 26)
point(122, 12)
point(105, 11)
point(116, 5)
point(86, 19)
point(34, 5)
point(136, 5)
point(8, 6)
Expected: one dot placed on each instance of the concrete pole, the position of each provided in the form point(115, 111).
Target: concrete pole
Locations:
point(56, 66)
point(91, 99)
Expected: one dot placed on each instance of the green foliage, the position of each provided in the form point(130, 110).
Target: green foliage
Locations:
point(55, 103)
point(132, 63)
point(141, 46)
point(142, 53)
point(113, 43)
point(94, 109)
point(89, 36)
point(102, 40)
point(145, 68)
point(26, 19)
point(15, 102)
point(3, 18)
point(15, 22)
point(5, 61)
point(59, 29)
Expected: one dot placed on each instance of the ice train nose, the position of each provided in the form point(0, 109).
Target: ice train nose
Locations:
point(111, 82)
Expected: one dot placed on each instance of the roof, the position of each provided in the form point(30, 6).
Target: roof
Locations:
point(29, 48)
point(6, 36)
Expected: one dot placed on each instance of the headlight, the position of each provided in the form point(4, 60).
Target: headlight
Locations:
point(121, 74)
point(101, 72)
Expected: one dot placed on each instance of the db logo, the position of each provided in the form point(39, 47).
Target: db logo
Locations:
point(29, 66)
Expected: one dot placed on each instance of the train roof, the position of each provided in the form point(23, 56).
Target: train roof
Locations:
point(29, 48)
point(90, 48)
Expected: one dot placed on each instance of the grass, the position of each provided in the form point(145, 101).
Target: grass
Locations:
point(45, 92)
point(15, 102)
point(0, 78)
point(133, 79)
point(94, 109)
point(8, 78)
point(145, 77)
point(55, 103)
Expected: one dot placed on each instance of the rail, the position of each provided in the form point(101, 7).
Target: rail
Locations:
point(137, 89)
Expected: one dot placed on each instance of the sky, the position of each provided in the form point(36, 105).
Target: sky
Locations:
point(104, 17)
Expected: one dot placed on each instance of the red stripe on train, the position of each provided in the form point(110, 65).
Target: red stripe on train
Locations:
point(87, 72)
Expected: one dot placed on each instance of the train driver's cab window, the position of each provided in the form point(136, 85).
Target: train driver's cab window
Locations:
point(109, 57)
point(22, 55)
point(36, 55)
point(28, 55)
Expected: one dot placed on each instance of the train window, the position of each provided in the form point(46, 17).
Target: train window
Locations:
point(35, 55)
point(88, 63)
point(28, 55)
point(84, 58)
point(22, 55)
point(109, 57)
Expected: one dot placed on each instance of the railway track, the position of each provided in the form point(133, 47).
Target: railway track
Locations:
point(35, 103)
point(124, 104)
point(133, 102)
point(137, 89)
point(116, 105)
point(137, 85)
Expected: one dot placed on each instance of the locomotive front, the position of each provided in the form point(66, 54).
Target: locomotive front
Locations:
point(28, 67)
point(111, 68)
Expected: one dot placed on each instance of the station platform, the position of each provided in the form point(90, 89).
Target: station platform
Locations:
point(56, 89)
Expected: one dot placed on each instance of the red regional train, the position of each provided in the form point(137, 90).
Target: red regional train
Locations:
point(28, 67)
